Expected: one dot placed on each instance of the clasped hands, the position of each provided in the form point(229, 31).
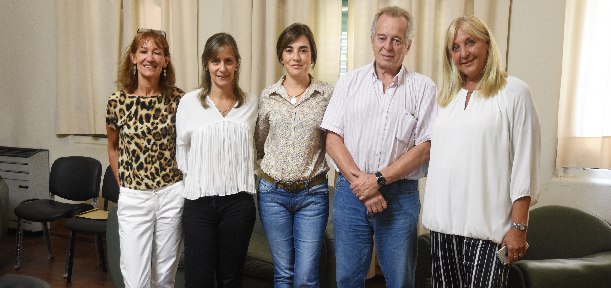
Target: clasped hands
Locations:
point(366, 188)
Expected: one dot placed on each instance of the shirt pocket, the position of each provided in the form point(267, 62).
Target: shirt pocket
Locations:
point(405, 127)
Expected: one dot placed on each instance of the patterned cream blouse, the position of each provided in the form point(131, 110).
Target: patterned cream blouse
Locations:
point(287, 136)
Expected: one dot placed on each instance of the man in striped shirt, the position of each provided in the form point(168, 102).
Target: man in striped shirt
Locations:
point(379, 124)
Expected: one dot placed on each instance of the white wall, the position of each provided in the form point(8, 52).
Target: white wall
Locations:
point(535, 56)
point(27, 82)
point(27, 89)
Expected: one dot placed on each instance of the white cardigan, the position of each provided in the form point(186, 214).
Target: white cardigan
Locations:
point(216, 154)
point(483, 158)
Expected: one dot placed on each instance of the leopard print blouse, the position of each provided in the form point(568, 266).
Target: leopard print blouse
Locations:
point(147, 138)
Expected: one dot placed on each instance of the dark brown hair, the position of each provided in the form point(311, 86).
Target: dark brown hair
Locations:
point(290, 34)
point(213, 47)
point(127, 79)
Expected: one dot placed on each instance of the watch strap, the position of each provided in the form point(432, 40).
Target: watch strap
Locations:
point(520, 226)
point(380, 178)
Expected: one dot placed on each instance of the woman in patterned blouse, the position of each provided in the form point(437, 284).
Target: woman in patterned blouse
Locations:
point(294, 192)
point(141, 127)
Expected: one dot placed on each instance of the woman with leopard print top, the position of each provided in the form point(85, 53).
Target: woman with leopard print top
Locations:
point(141, 127)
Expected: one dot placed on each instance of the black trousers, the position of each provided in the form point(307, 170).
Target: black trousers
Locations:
point(217, 232)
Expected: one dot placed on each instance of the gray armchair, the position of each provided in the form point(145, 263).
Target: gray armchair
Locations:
point(568, 248)
point(4, 209)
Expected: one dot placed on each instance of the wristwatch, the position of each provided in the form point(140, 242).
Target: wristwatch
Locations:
point(520, 226)
point(381, 179)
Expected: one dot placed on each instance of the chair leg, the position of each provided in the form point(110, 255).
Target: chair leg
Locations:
point(101, 257)
point(45, 226)
point(19, 241)
point(68, 254)
point(70, 258)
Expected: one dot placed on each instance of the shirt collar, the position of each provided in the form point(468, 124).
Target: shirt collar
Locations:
point(315, 85)
point(395, 79)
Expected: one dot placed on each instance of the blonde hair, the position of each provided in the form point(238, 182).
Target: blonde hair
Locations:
point(493, 77)
point(213, 47)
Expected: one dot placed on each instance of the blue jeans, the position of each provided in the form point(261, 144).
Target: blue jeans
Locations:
point(295, 225)
point(395, 231)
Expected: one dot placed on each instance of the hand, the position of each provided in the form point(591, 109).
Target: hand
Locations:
point(365, 186)
point(375, 204)
point(516, 244)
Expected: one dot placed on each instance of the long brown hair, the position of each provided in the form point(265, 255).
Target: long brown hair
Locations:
point(127, 77)
point(213, 47)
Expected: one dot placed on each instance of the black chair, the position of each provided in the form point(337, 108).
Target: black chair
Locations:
point(74, 178)
point(110, 192)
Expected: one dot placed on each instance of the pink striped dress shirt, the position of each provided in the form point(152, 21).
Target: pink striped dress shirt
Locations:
point(379, 126)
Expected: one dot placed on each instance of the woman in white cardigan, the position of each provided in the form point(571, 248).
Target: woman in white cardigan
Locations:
point(215, 152)
point(484, 167)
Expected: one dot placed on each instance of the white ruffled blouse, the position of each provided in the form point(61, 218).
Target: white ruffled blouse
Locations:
point(483, 158)
point(216, 155)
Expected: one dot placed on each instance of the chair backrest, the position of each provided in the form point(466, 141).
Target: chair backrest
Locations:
point(110, 188)
point(559, 232)
point(76, 178)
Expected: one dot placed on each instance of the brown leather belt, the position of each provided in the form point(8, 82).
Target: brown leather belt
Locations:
point(294, 186)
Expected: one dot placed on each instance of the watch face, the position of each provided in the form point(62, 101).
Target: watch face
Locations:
point(520, 226)
point(381, 179)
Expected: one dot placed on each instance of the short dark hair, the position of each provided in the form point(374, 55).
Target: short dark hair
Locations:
point(291, 34)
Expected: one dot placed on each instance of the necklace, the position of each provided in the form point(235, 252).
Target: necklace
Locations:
point(223, 112)
point(294, 98)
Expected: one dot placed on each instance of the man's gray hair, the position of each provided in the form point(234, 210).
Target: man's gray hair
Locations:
point(395, 12)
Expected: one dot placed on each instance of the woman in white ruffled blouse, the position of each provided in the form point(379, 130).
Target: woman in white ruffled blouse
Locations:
point(215, 151)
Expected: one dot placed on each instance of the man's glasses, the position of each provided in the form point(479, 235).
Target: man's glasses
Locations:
point(141, 30)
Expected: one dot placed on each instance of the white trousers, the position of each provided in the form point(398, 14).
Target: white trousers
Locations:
point(146, 216)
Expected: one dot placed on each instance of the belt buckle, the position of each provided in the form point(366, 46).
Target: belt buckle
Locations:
point(290, 186)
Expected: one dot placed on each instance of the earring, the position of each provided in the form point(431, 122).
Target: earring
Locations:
point(135, 70)
point(164, 74)
point(282, 64)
